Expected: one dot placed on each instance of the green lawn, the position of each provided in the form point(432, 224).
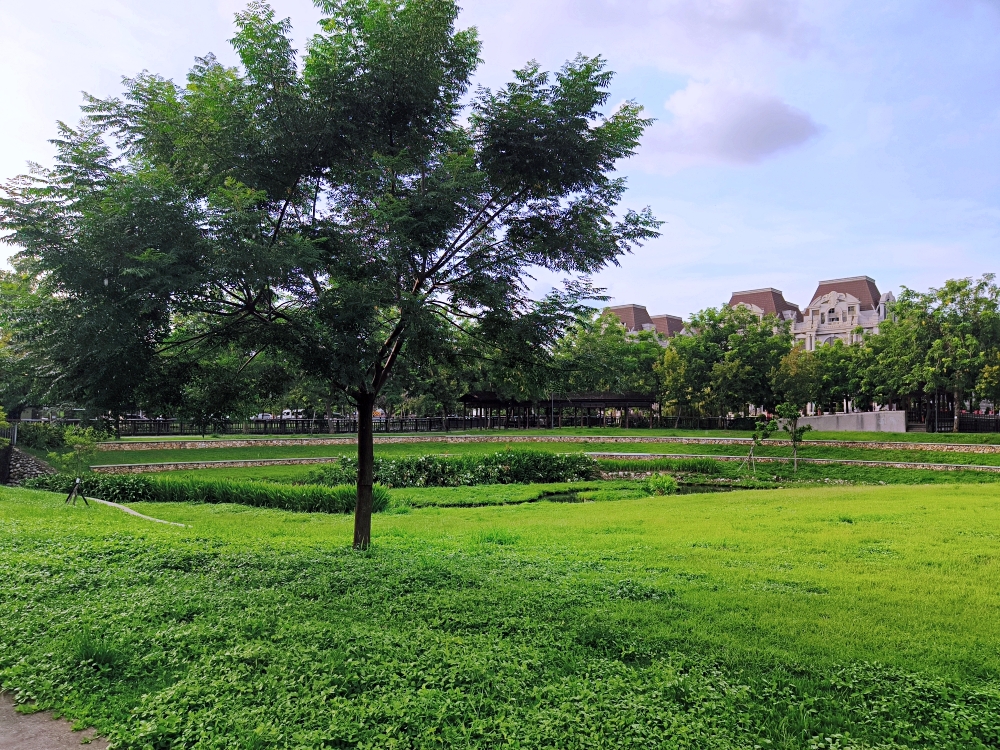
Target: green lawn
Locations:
point(827, 617)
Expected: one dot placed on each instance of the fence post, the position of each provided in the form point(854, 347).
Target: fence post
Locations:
point(5, 456)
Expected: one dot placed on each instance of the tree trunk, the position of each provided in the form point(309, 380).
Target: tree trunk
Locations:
point(958, 395)
point(366, 472)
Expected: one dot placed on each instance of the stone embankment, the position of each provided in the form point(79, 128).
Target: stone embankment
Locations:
point(25, 466)
point(512, 437)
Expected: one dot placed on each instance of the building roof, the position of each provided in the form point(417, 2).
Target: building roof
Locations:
point(668, 325)
point(633, 317)
point(770, 300)
point(862, 287)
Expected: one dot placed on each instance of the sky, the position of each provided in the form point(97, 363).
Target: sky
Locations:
point(794, 141)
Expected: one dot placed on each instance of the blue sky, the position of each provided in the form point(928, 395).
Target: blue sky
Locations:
point(796, 140)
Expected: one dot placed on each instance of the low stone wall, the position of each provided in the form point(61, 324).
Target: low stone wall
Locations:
point(190, 465)
point(788, 460)
point(865, 421)
point(25, 466)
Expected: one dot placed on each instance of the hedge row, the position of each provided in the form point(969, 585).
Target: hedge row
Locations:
point(131, 488)
point(503, 467)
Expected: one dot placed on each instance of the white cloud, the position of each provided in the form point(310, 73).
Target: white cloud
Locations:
point(724, 125)
point(695, 37)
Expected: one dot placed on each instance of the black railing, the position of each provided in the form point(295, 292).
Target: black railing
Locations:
point(945, 422)
point(9, 433)
point(345, 426)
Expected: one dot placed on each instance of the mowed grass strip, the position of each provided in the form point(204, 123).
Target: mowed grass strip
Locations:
point(771, 618)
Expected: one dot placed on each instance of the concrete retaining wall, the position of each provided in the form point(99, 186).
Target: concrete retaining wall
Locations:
point(866, 421)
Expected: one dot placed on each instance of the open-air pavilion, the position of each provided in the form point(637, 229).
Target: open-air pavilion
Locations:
point(562, 410)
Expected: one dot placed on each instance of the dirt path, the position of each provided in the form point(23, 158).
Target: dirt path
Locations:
point(40, 731)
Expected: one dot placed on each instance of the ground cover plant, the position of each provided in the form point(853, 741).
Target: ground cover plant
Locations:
point(832, 617)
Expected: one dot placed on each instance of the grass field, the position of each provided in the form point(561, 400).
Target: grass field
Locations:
point(839, 617)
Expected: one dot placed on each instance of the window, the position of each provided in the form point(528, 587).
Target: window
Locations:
point(822, 318)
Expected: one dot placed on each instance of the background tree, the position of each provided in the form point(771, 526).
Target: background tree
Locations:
point(836, 374)
point(598, 354)
point(946, 336)
point(725, 362)
point(797, 380)
point(336, 211)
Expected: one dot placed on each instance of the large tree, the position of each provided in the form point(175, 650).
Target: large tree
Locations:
point(340, 209)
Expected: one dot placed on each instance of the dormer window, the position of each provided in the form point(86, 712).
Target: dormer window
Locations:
point(850, 310)
point(832, 316)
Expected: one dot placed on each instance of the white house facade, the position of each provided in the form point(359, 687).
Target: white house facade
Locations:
point(845, 309)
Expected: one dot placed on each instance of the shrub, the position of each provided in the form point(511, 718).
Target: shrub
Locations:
point(660, 484)
point(82, 449)
point(44, 436)
point(131, 488)
point(502, 467)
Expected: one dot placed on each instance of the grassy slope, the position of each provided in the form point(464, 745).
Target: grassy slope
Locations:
point(910, 437)
point(412, 449)
point(715, 620)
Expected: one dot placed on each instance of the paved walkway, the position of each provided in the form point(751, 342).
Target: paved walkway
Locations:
point(40, 731)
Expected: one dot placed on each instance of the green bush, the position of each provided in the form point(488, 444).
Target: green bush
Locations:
point(502, 467)
point(132, 488)
point(660, 484)
point(44, 436)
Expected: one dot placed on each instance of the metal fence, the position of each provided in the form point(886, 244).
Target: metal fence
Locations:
point(9, 433)
point(945, 422)
point(344, 426)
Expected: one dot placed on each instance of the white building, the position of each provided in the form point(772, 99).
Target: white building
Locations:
point(839, 308)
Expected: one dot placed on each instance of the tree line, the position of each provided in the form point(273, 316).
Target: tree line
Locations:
point(936, 349)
